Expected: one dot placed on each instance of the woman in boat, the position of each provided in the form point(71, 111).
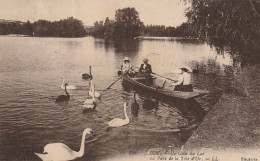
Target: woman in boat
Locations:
point(126, 66)
point(145, 70)
point(183, 83)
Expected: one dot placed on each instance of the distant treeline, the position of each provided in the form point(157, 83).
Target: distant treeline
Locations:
point(127, 24)
point(69, 27)
point(184, 30)
point(101, 29)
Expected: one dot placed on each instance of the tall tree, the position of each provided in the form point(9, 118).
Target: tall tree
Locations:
point(108, 28)
point(127, 23)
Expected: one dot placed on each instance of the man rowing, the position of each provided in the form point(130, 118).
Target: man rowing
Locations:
point(145, 71)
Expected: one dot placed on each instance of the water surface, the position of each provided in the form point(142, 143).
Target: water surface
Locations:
point(31, 71)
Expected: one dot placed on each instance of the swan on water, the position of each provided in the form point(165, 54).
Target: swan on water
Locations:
point(135, 104)
point(90, 102)
point(134, 107)
point(68, 86)
point(118, 122)
point(61, 152)
point(63, 98)
point(86, 75)
point(96, 94)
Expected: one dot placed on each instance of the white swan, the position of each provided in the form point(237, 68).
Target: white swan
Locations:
point(117, 122)
point(96, 94)
point(68, 86)
point(90, 102)
point(61, 152)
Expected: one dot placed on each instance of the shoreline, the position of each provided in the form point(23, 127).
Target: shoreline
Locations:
point(17, 35)
point(232, 125)
point(140, 37)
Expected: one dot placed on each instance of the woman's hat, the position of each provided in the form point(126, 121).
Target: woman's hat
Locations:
point(126, 59)
point(145, 60)
point(185, 68)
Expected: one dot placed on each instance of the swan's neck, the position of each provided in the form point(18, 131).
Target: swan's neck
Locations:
point(93, 92)
point(134, 98)
point(126, 117)
point(82, 146)
point(90, 89)
point(66, 91)
point(63, 81)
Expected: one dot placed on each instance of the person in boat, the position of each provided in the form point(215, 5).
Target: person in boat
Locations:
point(145, 70)
point(184, 80)
point(126, 66)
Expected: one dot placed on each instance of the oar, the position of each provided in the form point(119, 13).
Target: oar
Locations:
point(160, 75)
point(118, 79)
point(163, 77)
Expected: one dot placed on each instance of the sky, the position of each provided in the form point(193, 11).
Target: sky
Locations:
point(157, 12)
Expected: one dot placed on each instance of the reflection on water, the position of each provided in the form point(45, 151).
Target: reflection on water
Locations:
point(31, 71)
point(134, 107)
point(176, 39)
point(150, 104)
point(125, 48)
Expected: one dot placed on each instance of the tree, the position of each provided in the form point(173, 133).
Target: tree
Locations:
point(127, 23)
point(69, 27)
point(107, 28)
point(98, 29)
point(229, 23)
point(27, 28)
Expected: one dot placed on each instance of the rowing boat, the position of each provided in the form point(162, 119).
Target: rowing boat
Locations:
point(159, 89)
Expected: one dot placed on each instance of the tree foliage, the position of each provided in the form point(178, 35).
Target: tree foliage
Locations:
point(157, 30)
point(69, 27)
point(184, 30)
point(127, 25)
point(98, 29)
point(229, 23)
point(10, 28)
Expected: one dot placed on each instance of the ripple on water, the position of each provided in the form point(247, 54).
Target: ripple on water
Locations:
point(31, 71)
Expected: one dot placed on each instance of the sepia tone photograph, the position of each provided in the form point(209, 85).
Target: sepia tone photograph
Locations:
point(129, 80)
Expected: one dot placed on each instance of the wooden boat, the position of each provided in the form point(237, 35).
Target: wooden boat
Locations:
point(159, 89)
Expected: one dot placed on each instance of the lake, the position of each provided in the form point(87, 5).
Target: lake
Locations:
point(31, 71)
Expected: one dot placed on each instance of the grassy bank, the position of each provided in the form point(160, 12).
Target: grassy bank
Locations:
point(234, 121)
